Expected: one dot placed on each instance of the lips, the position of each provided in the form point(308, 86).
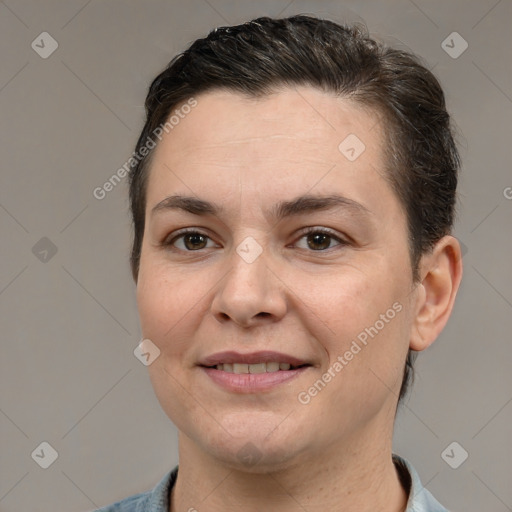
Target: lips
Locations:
point(270, 367)
point(253, 372)
point(253, 358)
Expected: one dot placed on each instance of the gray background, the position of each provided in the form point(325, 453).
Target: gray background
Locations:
point(69, 323)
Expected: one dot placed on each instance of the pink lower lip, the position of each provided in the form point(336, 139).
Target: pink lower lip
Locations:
point(251, 382)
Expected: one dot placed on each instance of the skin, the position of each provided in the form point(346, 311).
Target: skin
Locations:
point(246, 155)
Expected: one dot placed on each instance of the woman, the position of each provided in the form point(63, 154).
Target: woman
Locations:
point(292, 194)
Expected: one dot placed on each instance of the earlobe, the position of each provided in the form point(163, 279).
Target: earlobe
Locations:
point(441, 272)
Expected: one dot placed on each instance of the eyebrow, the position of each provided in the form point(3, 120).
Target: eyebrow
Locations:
point(298, 206)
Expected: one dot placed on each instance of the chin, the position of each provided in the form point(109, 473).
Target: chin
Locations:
point(254, 447)
point(250, 457)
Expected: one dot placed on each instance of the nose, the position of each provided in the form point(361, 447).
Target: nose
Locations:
point(250, 294)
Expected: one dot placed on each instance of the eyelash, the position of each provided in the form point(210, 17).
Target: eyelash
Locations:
point(311, 230)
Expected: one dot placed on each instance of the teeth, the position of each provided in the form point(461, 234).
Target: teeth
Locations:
point(253, 368)
point(258, 368)
point(272, 367)
point(240, 368)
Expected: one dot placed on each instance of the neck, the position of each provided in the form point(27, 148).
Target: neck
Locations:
point(356, 477)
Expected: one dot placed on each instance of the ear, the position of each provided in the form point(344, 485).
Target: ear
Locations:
point(441, 273)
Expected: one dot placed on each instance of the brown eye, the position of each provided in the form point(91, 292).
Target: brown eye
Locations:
point(319, 241)
point(188, 241)
point(194, 241)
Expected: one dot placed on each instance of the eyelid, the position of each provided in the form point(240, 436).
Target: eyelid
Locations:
point(175, 235)
point(169, 240)
point(319, 229)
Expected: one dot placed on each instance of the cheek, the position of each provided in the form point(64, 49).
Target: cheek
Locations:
point(166, 301)
point(347, 301)
point(364, 322)
point(364, 351)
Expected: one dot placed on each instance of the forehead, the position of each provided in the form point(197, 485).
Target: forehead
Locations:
point(288, 142)
point(318, 119)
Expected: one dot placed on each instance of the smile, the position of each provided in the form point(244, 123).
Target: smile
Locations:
point(243, 368)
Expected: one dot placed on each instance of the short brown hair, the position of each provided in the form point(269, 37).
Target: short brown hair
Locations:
point(260, 56)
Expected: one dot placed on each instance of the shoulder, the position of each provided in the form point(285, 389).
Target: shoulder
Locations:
point(130, 504)
point(420, 498)
point(155, 500)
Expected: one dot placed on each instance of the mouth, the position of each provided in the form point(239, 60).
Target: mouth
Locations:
point(255, 368)
point(254, 372)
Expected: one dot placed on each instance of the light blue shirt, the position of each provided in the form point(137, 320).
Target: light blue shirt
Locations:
point(157, 500)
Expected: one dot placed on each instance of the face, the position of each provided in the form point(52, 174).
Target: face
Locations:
point(279, 293)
